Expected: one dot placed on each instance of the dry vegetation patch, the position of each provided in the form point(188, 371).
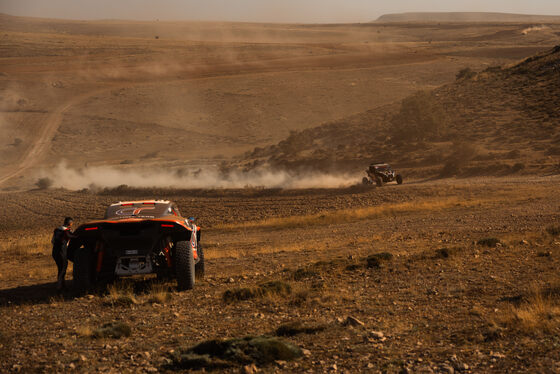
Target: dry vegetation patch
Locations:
point(351, 215)
point(120, 294)
point(295, 328)
point(272, 288)
point(114, 330)
point(216, 354)
point(539, 313)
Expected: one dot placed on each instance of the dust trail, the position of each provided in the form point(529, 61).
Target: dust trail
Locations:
point(534, 28)
point(106, 176)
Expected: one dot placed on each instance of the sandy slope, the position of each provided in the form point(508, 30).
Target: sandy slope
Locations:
point(230, 86)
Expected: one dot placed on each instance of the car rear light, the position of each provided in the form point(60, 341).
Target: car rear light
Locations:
point(164, 225)
point(130, 204)
point(149, 203)
point(91, 228)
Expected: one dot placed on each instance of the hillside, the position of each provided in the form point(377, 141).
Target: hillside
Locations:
point(500, 120)
point(464, 17)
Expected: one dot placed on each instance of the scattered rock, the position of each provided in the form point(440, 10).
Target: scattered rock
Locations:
point(377, 335)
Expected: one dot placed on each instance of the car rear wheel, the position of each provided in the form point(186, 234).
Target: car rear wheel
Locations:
point(399, 179)
point(184, 265)
point(379, 182)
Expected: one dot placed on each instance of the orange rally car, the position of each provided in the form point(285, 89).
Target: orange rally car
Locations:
point(137, 237)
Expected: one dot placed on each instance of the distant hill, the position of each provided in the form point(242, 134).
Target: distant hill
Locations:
point(498, 121)
point(465, 17)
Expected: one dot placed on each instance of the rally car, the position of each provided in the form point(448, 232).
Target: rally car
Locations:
point(137, 237)
point(381, 174)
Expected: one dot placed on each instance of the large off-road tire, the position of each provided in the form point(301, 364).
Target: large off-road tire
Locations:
point(365, 181)
point(399, 179)
point(379, 182)
point(184, 265)
point(82, 272)
point(199, 266)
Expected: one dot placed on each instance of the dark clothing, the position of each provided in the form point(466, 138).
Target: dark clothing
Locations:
point(62, 264)
point(61, 238)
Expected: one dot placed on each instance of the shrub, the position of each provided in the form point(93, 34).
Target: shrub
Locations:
point(375, 260)
point(215, 354)
point(44, 183)
point(553, 230)
point(294, 328)
point(419, 118)
point(446, 252)
point(115, 330)
point(489, 242)
point(465, 73)
point(301, 274)
point(264, 289)
point(517, 167)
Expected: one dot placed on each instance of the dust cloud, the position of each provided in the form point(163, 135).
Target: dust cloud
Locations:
point(533, 29)
point(110, 177)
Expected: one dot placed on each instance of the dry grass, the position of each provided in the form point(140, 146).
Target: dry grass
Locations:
point(85, 331)
point(120, 294)
point(113, 330)
point(268, 289)
point(211, 252)
point(540, 313)
point(351, 215)
point(159, 294)
point(28, 245)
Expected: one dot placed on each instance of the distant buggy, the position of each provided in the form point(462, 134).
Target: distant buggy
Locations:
point(137, 237)
point(381, 174)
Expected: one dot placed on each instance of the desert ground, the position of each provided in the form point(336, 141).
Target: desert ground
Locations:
point(456, 270)
point(467, 280)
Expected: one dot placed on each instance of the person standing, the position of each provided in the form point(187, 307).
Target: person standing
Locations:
point(60, 239)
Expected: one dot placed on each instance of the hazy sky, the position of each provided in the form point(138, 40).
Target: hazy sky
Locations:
point(262, 10)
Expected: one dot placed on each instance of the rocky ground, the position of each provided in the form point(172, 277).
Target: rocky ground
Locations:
point(443, 276)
